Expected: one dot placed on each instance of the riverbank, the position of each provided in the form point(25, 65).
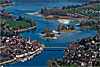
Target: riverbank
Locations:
point(33, 13)
point(68, 17)
point(6, 4)
point(78, 12)
point(21, 30)
point(63, 31)
point(65, 21)
point(36, 14)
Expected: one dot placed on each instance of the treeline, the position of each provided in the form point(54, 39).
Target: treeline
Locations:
point(59, 12)
point(76, 6)
point(46, 12)
point(33, 23)
point(62, 11)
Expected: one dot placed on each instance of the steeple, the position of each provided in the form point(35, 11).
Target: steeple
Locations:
point(29, 40)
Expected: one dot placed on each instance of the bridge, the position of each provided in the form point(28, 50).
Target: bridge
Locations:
point(55, 48)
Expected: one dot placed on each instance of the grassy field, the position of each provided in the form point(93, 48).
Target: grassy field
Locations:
point(93, 16)
point(19, 23)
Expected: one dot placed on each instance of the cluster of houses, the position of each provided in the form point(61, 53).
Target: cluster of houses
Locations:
point(85, 52)
point(88, 11)
point(16, 48)
point(84, 4)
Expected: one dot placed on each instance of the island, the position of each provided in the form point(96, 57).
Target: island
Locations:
point(48, 34)
point(52, 34)
point(67, 28)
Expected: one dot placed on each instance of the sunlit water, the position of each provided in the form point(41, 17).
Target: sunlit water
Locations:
point(21, 8)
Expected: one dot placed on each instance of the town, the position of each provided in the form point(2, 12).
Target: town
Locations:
point(14, 48)
point(78, 39)
point(84, 52)
point(18, 49)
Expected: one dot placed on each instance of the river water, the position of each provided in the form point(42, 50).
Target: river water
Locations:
point(21, 8)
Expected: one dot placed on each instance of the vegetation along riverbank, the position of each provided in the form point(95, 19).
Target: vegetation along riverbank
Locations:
point(85, 11)
point(5, 3)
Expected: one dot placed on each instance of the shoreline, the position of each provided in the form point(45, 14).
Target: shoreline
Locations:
point(25, 29)
point(7, 4)
point(32, 13)
point(64, 21)
point(48, 37)
point(67, 31)
point(66, 17)
point(49, 14)
point(35, 13)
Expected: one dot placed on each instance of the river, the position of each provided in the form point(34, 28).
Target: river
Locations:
point(21, 8)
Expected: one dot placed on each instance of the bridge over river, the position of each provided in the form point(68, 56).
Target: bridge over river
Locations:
point(55, 48)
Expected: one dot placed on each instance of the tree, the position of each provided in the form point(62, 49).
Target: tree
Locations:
point(78, 40)
point(34, 23)
point(30, 20)
point(16, 27)
point(73, 28)
point(25, 18)
point(42, 10)
point(97, 35)
point(45, 9)
point(20, 35)
point(11, 17)
point(55, 62)
point(52, 35)
point(20, 17)
point(63, 7)
point(90, 38)
point(58, 28)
